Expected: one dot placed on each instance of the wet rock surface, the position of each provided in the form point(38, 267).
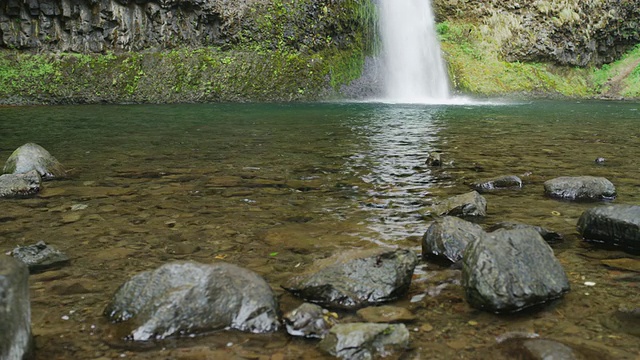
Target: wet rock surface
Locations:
point(32, 156)
point(510, 270)
point(40, 257)
point(309, 320)
point(15, 310)
point(188, 297)
point(583, 188)
point(19, 185)
point(447, 237)
point(469, 204)
point(359, 281)
point(506, 182)
point(359, 341)
point(612, 225)
point(549, 236)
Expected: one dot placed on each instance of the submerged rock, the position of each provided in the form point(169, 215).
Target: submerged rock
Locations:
point(188, 297)
point(40, 256)
point(19, 185)
point(386, 314)
point(309, 320)
point(613, 225)
point(360, 341)
point(32, 156)
point(626, 320)
point(447, 237)
point(433, 159)
point(549, 236)
point(580, 188)
point(359, 280)
point(469, 204)
point(506, 182)
point(15, 310)
point(510, 270)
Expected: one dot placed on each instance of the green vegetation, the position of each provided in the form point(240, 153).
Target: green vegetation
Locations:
point(621, 78)
point(475, 67)
point(285, 50)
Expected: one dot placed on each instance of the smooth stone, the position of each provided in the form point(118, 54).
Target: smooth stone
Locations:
point(32, 156)
point(585, 188)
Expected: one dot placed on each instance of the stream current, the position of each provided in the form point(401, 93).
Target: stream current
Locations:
point(274, 187)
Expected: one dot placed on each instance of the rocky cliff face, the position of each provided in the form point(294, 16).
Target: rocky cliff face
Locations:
point(564, 32)
point(87, 26)
point(99, 25)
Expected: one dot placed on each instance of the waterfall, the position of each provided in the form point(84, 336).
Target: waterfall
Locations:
point(414, 69)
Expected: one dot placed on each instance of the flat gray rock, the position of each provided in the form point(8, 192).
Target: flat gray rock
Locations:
point(510, 270)
point(360, 341)
point(447, 237)
point(583, 188)
point(187, 297)
point(612, 225)
point(506, 182)
point(32, 156)
point(15, 310)
point(40, 256)
point(469, 204)
point(353, 282)
point(19, 185)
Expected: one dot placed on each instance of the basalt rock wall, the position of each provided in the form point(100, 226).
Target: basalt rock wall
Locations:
point(564, 32)
point(94, 26)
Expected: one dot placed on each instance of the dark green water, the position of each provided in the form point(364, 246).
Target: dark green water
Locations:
point(151, 184)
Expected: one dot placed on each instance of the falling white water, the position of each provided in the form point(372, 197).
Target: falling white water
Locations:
point(415, 71)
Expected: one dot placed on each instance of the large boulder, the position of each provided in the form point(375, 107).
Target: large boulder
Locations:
point(510, 270)
point(360, 341)
point(506, 182)
point(15, 310)
point(613, 225)
point(584, 188)
point(19, 185)
point(32, 156)
point(447, 237)
point(356, 280)
point(189, 297)
point(469, 204)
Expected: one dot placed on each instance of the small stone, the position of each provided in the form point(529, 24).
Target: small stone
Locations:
point(71, 218)
point(426, 328)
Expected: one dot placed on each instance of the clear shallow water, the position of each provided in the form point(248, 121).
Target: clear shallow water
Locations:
point(240, 182)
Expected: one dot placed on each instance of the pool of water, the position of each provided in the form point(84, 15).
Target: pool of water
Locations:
point(273, 187)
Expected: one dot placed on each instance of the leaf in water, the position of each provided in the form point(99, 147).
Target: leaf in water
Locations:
point(273, 253)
